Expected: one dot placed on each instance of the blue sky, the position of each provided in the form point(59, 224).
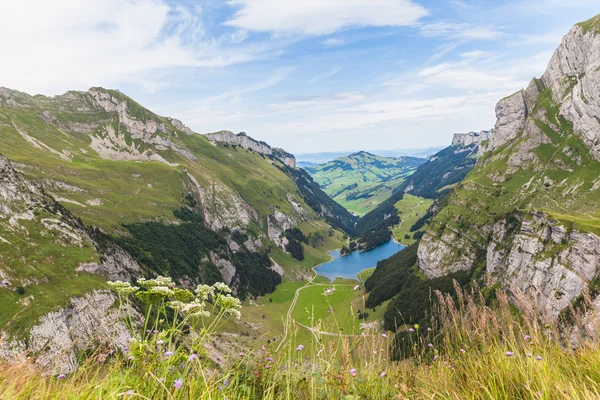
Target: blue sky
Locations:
point(305, 75)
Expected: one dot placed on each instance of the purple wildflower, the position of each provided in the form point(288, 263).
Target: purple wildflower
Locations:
point(435, 358)
point(527, 337)
point(193, 357)
point(411, 330)
point(268, 367)
point(428, 329)
point(509, 353)
point(148, 331)
point(353, 372)
point(430, 345)
point(155, 332)
point(539, 358)
point(241, 354)
point(300, 348)
point(462, 350)
point(178, 383)
point(130, 358)
point(528, 354)
point(269, 359)
point(61, 376)
point(384, 335)
point(382, 375)
point(168, 353)
point(226, 382)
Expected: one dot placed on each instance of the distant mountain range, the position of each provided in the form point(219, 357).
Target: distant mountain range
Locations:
point(311, 159)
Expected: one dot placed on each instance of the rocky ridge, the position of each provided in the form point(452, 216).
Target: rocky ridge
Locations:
point(243, 140)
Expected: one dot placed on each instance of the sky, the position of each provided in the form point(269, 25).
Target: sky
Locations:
point(305, 75)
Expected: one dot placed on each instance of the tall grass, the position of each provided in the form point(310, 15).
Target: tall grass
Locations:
point(473, 351)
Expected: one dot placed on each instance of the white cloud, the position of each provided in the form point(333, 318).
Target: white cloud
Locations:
point(59, 45)
point(318, 102)
point(463, 31)
point(333, 42)
point(320, 17)
point(324, 75)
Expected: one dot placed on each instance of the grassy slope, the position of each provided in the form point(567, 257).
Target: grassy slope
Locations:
point(411, 209)
point(361, 181)
point(110, 193)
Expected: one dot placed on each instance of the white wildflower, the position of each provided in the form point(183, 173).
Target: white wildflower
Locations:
point(228, 302)
point(161, 290)
point(123, 288)
point(220, 286)
point(176, 305)
point(195, 309)
point(234, 313)
point(203, 291)
point(159, 281)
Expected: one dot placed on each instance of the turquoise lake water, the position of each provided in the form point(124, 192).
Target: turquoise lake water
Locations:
point(349, 266)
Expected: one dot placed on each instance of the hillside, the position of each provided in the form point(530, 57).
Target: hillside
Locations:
point(94, 186)
point(362, 180)
point(431, 180)
point(529, 209)
point(526, 217)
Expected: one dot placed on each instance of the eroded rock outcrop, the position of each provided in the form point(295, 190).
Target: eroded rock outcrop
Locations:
point(60, 336)
point(470, 138)
point(544, 258)
point(246, 142)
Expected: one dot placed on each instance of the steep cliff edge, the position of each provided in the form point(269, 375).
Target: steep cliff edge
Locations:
point(528, 212)
point(243, 140)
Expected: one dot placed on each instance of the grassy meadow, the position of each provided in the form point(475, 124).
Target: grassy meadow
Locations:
point(472, 351)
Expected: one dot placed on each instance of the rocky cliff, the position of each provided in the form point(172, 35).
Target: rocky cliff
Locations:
point(246, 142)
point(470, 138)
point(528, 212)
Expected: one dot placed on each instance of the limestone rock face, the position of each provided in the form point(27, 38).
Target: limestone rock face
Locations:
point(438, 255)
point(468, 139)
point(573, 75)
point(221, 206)
point(144, 129)
point(511, 113)
point(545, 259)
point(246, 142)
point(87, 321)
point(242, 140)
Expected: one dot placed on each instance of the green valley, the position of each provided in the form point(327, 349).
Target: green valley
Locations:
point(362, 180)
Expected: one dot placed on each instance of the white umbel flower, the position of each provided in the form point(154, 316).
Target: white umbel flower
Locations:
point(221, 287)
point(123, 288)
point(204, 291)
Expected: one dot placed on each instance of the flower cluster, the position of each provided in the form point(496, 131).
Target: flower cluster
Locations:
point(123, 288)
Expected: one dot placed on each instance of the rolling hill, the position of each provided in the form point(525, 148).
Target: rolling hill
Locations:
point(362, 180)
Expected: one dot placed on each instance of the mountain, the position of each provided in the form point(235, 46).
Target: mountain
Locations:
point(93, 186)
point(430, 180)
point(362, 180)
point(526, 217)
point(322, 158)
